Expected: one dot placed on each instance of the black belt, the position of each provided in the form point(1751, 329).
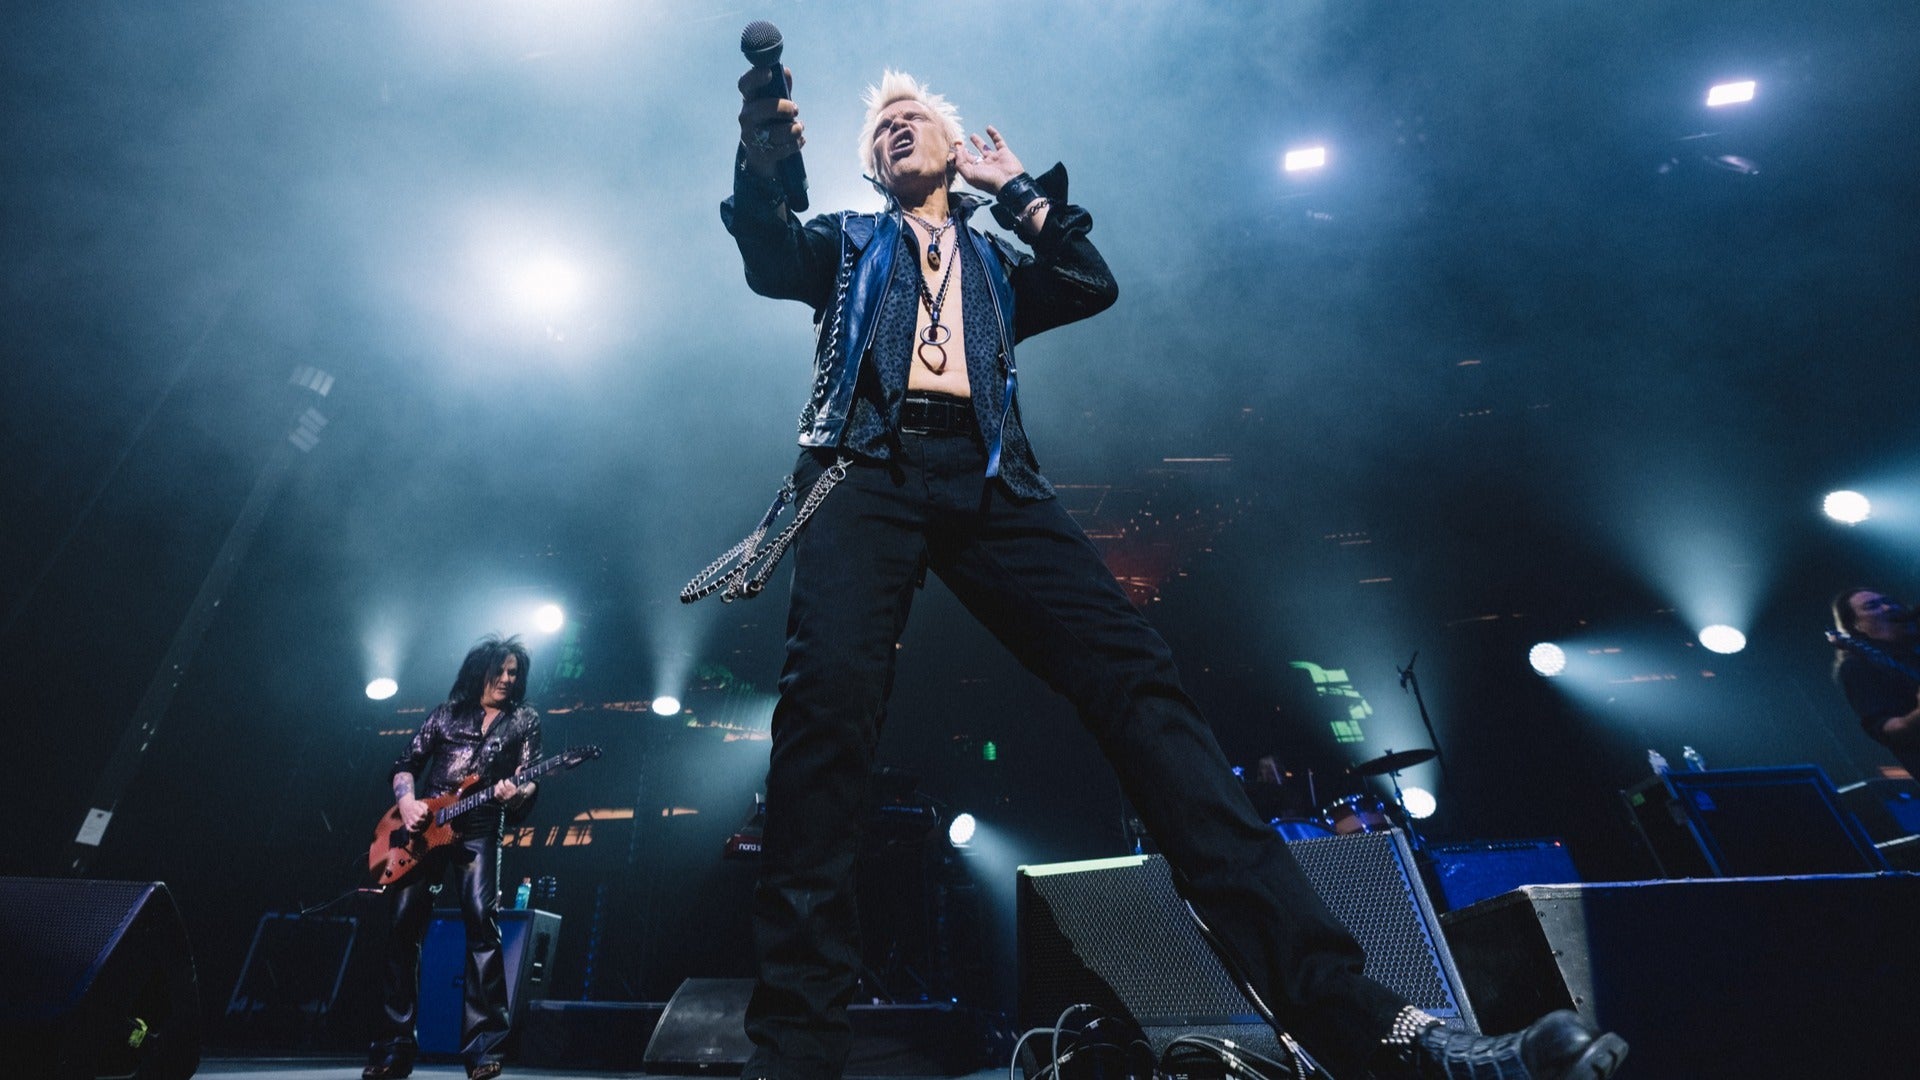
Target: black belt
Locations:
point(923, 413)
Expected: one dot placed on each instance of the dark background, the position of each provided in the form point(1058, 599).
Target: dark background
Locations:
point(1548, 351)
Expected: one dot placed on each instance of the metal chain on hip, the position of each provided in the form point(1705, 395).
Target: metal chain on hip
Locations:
point(935, 336)
point(742, 571)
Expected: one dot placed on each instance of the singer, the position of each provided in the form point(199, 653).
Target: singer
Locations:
point(914, 427)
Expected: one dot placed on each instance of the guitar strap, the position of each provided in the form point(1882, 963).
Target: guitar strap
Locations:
point(507, 728)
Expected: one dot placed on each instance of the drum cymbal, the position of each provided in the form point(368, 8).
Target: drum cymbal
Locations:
point(1392, 762)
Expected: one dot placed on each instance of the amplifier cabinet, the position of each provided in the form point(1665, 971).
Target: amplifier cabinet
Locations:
point(527, 940)
point(1783, 976)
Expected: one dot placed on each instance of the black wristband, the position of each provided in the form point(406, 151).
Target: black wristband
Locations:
point(1016, 193)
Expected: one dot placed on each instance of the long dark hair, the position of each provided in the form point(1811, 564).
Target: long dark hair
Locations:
point(1845, 619)
point(483, 662)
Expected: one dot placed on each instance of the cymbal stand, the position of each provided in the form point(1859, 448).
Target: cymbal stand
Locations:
point(1413, 834)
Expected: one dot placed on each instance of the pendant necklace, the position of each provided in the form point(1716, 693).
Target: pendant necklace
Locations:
point(935, 232)
point(933, 340)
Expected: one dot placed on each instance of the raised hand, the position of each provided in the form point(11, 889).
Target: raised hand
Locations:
point(770, 128)
point(989, 164)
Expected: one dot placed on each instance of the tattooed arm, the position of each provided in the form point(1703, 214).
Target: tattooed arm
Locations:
point(413, 812)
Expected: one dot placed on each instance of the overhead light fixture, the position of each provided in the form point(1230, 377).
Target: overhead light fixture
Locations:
point(1732, 93)
point(665, 705)
point(1847, 507)
point(1307, 157)
point(1722, 639)
point(382, 688)
point(1547, 658)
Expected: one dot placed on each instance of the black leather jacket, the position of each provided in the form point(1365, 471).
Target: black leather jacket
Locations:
point(449, 747)
point(840, 265)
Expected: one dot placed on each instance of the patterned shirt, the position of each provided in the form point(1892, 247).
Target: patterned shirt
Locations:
point(874, 418)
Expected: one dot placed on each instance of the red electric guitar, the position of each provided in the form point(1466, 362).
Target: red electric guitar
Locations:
point(397, 850)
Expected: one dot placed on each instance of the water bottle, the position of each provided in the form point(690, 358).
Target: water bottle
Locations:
point(1695, 763)
point(1658, 761)
point(522, 894)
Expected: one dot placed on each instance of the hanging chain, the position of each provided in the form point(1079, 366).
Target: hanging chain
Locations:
point(742, 571)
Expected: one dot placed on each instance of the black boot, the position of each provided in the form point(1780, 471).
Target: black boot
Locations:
point(389, 1061)
point(1558, 1046)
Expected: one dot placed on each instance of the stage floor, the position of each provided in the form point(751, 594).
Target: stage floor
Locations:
point(259, 1068)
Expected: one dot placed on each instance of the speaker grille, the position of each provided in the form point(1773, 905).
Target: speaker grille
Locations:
point(56, 929)
point(1117, 936)
point(1155, 965)
point(1366, 879)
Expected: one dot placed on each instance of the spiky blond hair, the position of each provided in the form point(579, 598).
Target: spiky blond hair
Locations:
point(900, 86)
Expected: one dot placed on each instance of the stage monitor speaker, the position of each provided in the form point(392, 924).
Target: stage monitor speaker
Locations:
point(1785, 976)
point(96, 979)
point(307, 983)
point(1749, 823)
point(1888, 809)
point(527, 940)
point(1467, 873)
point(702, 1028)
point(1115, 934)
point(610, 1036)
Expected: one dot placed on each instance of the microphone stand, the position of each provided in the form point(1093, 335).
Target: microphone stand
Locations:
point(1409, 679)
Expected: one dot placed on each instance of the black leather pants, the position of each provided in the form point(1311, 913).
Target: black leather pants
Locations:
point(484, 1016)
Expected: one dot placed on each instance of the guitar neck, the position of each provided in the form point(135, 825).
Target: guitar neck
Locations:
point(485, 795)
point(1874, 653)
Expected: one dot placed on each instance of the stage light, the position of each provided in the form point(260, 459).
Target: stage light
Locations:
point(1847, 507)
point(382, 688)
point(1723, 639)
point(1307, 157)
point(549, 618)
point(1732, 93)
point(1547, 658)
point(666, 705)
point(548, 286)
point(960, 830)
point(1419, 802)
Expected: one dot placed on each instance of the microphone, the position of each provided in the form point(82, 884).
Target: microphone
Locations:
point(1406, 673)
point(760, 43)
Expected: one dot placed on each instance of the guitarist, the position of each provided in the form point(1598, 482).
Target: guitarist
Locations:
point(482, 730)
point(1887, 701)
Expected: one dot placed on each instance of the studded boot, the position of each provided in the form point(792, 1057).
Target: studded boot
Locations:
point(1558, 1046)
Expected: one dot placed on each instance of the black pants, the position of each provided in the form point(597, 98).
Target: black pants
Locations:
point(1027, 572)
point(484, 1014)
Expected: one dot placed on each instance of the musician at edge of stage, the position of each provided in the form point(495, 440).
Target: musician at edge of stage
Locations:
point(1887, 701)
point(482, 729)
point(918, 311)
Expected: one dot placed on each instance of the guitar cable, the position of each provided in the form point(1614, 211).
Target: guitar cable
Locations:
point(365, 890)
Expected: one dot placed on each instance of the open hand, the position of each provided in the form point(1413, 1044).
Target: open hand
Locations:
point(989, 164)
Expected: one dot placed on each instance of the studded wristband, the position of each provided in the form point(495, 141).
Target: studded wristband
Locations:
point(1017, 193)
